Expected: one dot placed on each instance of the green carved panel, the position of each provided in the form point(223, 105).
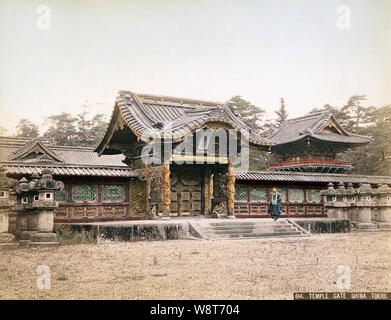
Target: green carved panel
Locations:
point(282, 192)
point(61, 195)
point(258, 194)
point(113, 193)
point(241, 194)
point(296, 195)
point(313, 195)
point(85, 192)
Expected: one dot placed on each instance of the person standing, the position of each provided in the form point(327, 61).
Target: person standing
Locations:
point(275, 205)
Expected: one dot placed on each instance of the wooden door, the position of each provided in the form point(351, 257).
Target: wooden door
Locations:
point(186, 193)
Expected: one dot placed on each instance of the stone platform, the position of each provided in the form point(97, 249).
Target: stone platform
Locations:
point(187, 228)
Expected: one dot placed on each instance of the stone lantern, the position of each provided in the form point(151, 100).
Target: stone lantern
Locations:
point(382, 214)
point(36, 212)
point(351, 199)
point(364, 206)
point(331, 198)
point(6, 203)
point(25, 218)
point(341, 205)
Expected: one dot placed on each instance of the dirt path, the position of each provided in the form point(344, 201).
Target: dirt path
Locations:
point(236, 269)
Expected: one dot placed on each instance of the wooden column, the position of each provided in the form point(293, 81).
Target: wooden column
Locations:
point(166, 190)
point(208, 192)
point(147, 189)
point(231, 189)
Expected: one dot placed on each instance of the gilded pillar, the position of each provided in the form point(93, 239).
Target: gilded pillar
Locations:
point(231, 189)
point(166, 190)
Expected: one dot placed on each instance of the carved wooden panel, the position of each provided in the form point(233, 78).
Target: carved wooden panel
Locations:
point(185, 206)
point(259, 209)
point(185, 196)
point(241, 209)
point(174, 206)
point(314, 210)
point(85, 212)
point(196, 195)
point(196, 206)
point(114, 211)
point(60, 212)
point(300, 209)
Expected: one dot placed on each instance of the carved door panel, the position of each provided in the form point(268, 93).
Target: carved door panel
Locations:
point(186, 194)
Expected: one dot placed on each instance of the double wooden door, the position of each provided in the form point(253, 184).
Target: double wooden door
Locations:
point(186, 193)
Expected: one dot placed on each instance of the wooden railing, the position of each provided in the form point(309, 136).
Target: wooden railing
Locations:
point(309, 162)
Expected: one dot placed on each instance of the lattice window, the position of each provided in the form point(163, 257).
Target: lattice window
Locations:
point(113, 193)
point(241, 194)
point(258, 194)
point(313, 195)
point(84, 192)
point(296, 195)
point(61, 195)
point(282, 192)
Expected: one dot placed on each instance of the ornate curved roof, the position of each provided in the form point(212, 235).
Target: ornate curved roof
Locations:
point(150, 116)
point(320, 126)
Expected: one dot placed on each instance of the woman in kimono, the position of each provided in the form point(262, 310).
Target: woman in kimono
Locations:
point(275, 204)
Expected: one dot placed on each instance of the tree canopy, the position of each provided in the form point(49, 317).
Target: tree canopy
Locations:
point(26, 128)
point(83, 129)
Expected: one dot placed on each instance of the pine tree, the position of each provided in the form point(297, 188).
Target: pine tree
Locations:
point(249, 113)
point(62, 129)
point(282, 114)
point(26, 128)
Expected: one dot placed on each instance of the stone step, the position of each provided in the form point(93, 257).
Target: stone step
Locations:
point(279, 226)
point(253, 235)
point(261, 222)
point(236, 231)
point(246, 229)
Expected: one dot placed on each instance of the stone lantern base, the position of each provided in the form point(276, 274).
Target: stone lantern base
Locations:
point(384, 225)
point(364, 217)
point(369, 226)
point(44, 238)
point(7, 240)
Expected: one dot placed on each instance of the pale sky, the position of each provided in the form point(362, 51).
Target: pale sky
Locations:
point(210, 50)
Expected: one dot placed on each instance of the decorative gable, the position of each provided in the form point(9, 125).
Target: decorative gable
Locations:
point(35, 151)
point(331, 127)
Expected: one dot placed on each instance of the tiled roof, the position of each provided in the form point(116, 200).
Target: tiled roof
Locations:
point(78, 161)
point(281, 176)
point(157, 116)
point(311, 126)
point(68, 170)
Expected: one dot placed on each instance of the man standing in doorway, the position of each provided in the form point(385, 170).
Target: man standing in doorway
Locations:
point(275, 204)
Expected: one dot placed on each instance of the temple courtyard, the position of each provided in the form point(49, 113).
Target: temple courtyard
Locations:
point(268, 268)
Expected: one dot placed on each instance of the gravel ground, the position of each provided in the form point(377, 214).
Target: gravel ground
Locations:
point(189, 269)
